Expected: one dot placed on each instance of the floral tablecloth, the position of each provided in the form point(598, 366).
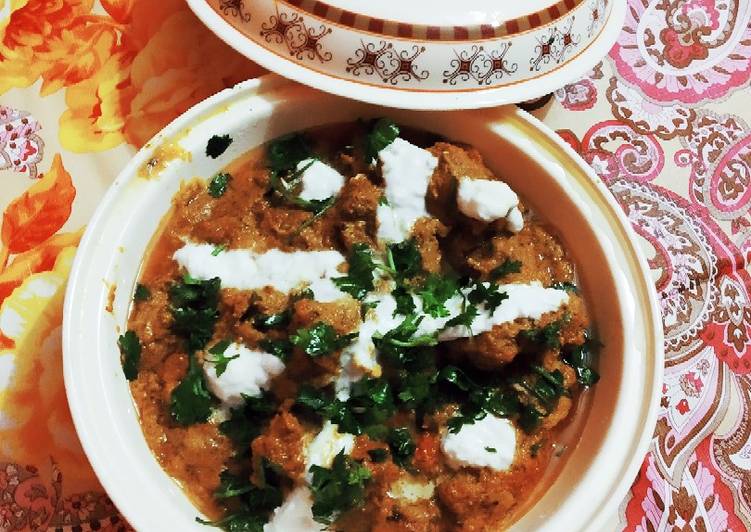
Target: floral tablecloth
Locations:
point(665, 120)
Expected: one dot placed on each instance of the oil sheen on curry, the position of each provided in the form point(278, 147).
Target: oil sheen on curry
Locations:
point(357, 328)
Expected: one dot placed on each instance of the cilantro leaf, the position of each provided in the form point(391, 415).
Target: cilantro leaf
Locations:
point(378, 455)
point(246, 422)
point(320, 339)
point(237, 522)
point(507, 267)
point(265, 322)
point(415, 388)
point(491, 450)
point(548, 336)
point(217, 145)
point(435, 292)
point(465, 318)
point(285, 153)
point(403, 335)
point(383, 133)
point(191, 401)
point(142, 292)
point(279, 348)
point(581, 358)
point(401, 444)
point(404, 303)
point(193, 304)
point(359, 279)
point(218, 358)
point(338, 489)
point(218, 184)
point(405, 259)
point(567, 286)
point(130, 350)
point(219, 249)
point(487, 293)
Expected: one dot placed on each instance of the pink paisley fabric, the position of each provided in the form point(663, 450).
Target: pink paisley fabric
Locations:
point(664, 120)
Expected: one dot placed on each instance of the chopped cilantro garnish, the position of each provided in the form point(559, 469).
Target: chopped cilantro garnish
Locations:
point(548, 336)
point(359, 279)
point(320, 339)
point(567, 286)
point(193, 304)
point(285, 153)
point(218, 184)
point(191, 401)
point(581, 358)
point(279, 348)
point(435, 292)
point(142, 292)
point(130, 349)
point(378, 455)
point(415, 388)
point(403, 335)
point(217, 145)
point(383, 200)
point(507, 267)
point(405, 259)
point(489, 294)
point(466, 317)
point(369, 406)
point(218, 357)
point(404, 302)
point(491, 449)
point(383, 133)
point(401, 445)
point(246, 422)
point(338, 489)
point(265, 322)
point(218, 249)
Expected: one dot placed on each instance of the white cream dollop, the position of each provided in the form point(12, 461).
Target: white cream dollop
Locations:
point(295, 514)
point(245, 269)
point(329, 442)
point(319, 180)
point(488, 442)
point(488, 200)
point(524, 301)
point(406, 171)
point(411, 490)
point(248, 374)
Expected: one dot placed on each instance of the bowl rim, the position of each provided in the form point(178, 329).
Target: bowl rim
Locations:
point(416, 99)
point(257, 87)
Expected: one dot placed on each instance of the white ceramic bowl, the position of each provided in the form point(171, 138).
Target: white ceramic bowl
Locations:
point(421, 54)
point(533, 160)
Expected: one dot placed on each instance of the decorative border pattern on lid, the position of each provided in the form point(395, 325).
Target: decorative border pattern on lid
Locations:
point(391, 28)
point(348, 53)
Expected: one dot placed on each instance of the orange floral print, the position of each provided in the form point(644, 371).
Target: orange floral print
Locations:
point(126, 74)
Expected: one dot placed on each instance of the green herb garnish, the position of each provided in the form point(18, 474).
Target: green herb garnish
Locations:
point(383, 133)
point(548, 336)
point(217, 145)
point(320, 339)
point(405, 259)
point(218, 357)
point(359, 279)
point(265, 322)
point(218, 249)
point(489, 294)
point(190, 400)
point(581, 358)
point(247, 421)
point(465, 318)
point(491, 449)
point(285, 153)
point(378, 455)
point(130, 350)
point(193, 304)
point(435, 292)
point(218, 184)
point(401, 445)
point(567, 286)
point(338, 489)
point(142, 292)
point(405, 304)
point(279, 348)
point(507, 267)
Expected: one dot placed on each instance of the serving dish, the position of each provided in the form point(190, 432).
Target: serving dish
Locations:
point(421, 54)
point(598, 469)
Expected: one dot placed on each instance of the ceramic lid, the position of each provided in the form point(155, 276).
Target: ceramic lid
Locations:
point(421, 54)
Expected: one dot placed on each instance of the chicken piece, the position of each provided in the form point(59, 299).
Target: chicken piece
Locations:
point(282, 444)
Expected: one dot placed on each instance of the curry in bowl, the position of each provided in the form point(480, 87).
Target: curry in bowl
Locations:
point(357, 327)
